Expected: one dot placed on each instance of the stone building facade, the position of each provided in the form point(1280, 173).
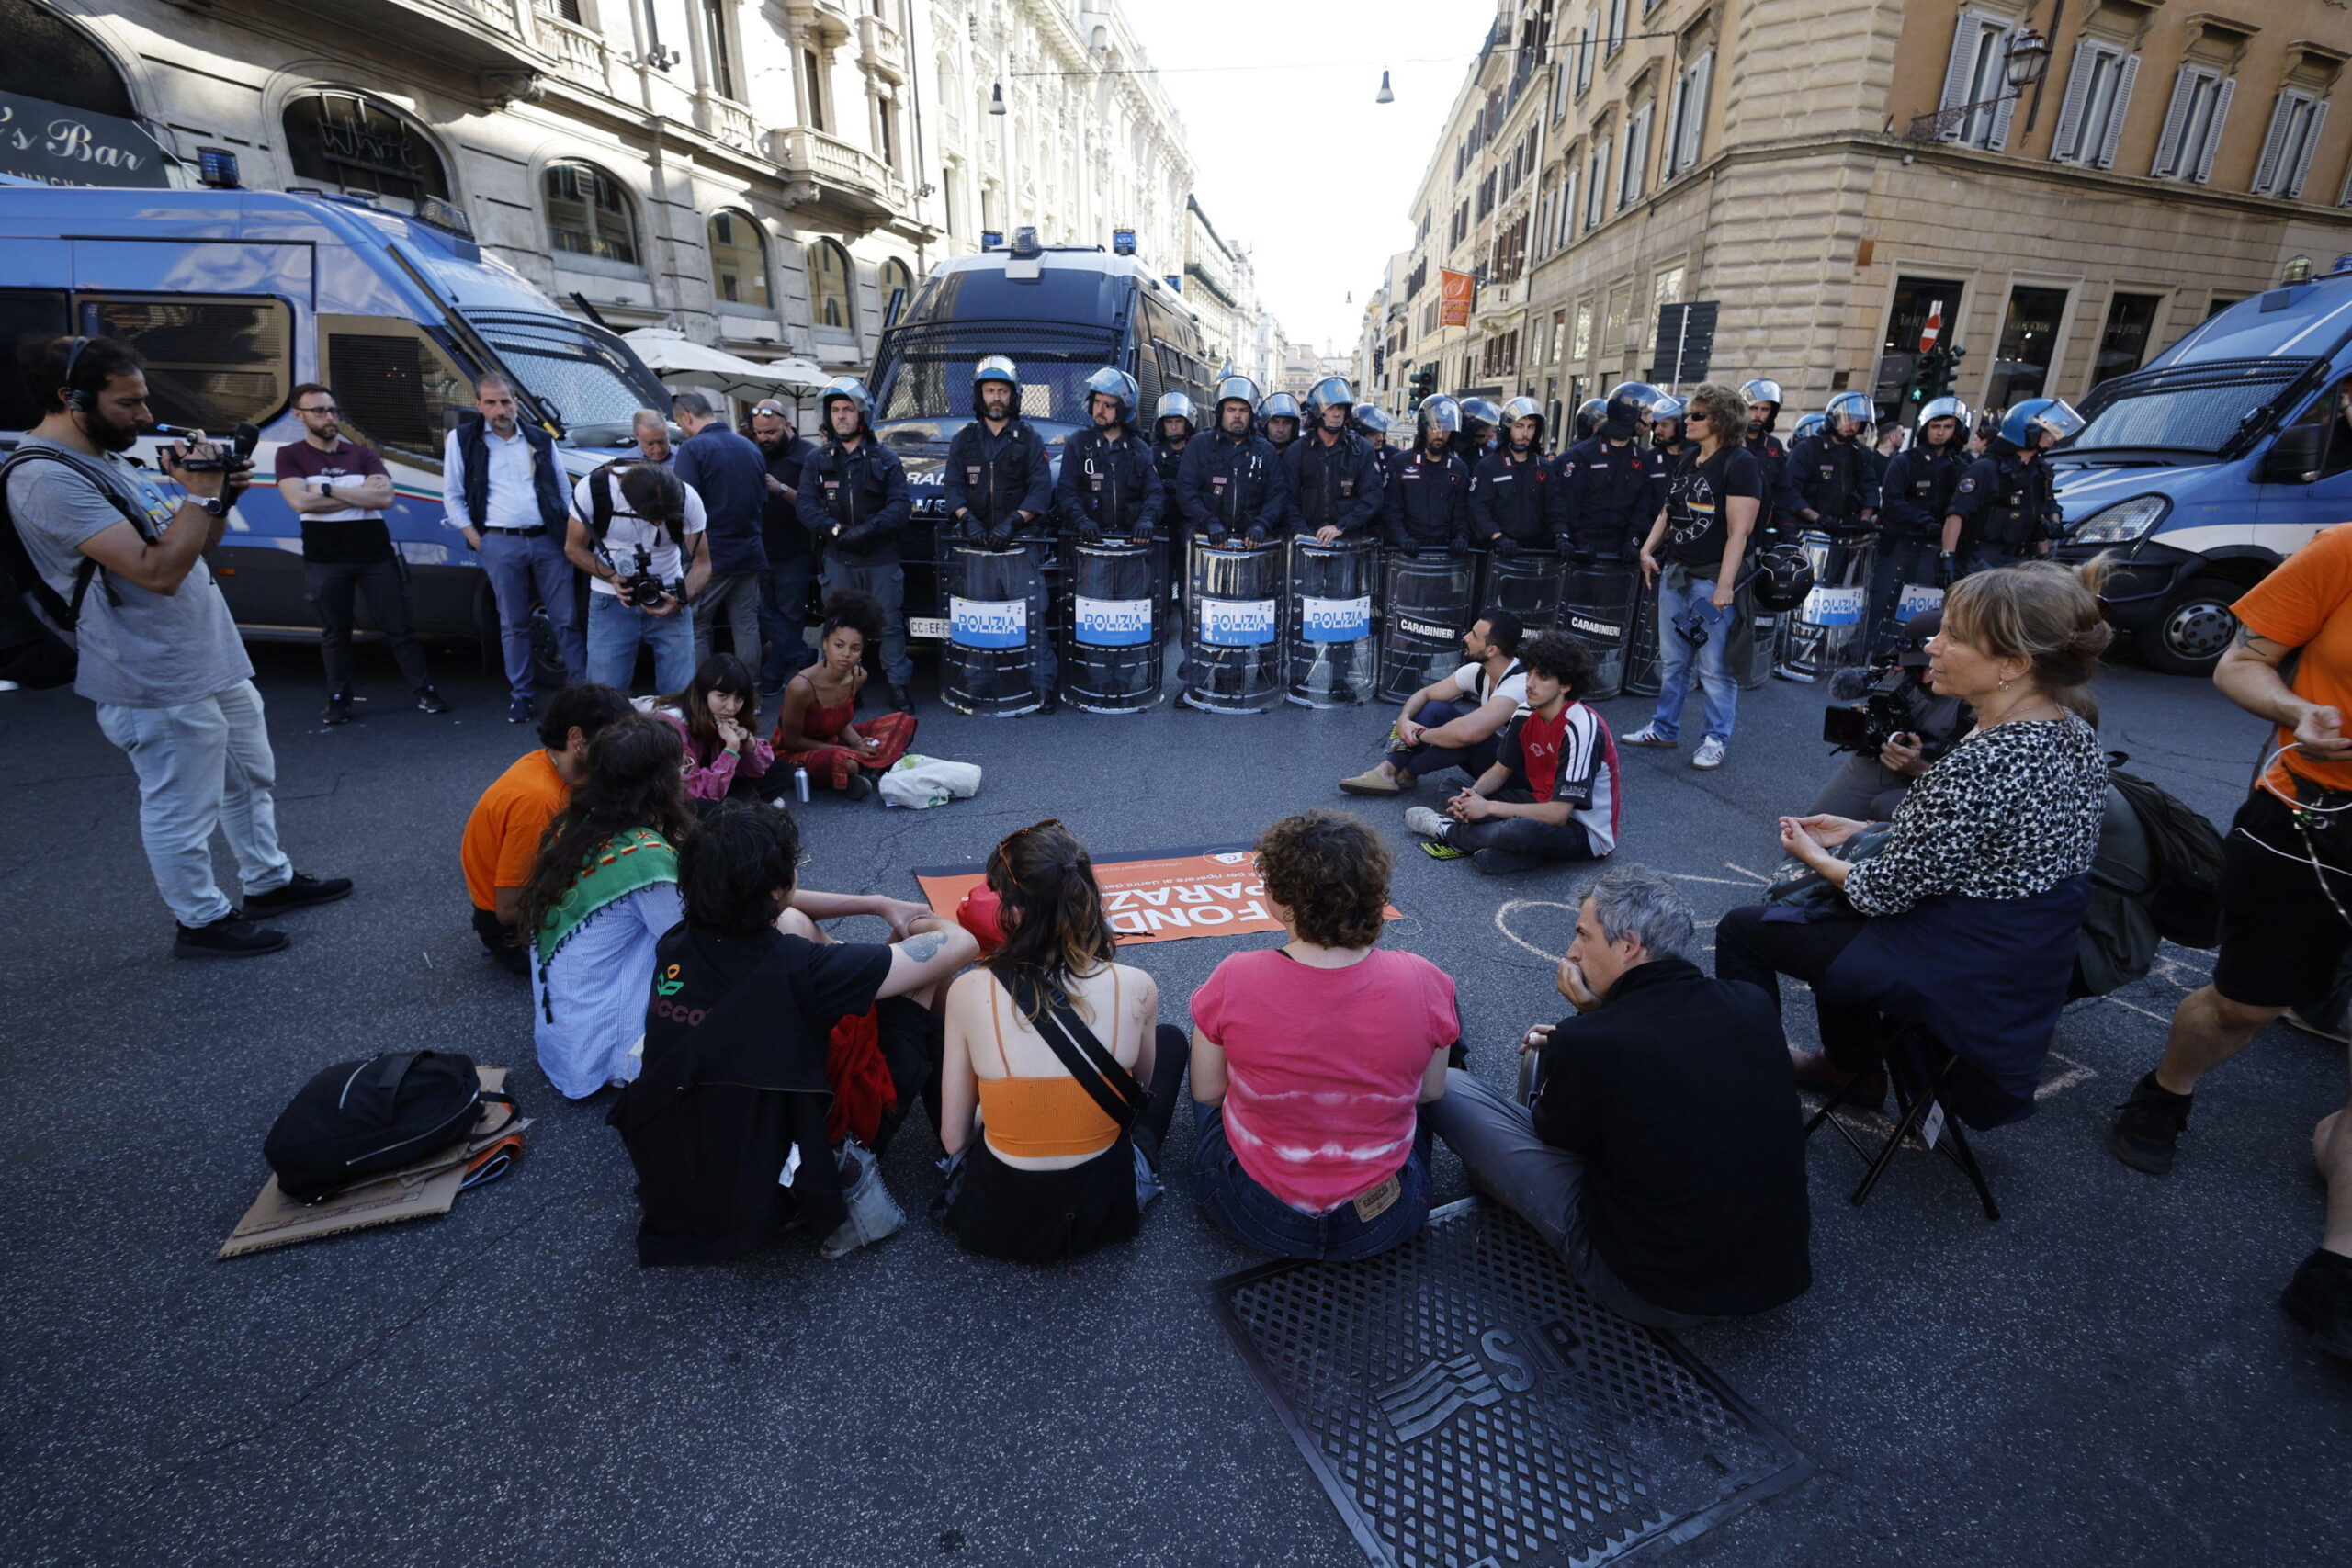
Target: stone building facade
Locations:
point(767, 175)
point(1830, 180)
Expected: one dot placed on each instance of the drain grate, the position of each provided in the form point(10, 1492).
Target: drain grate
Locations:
point(1467, 1405)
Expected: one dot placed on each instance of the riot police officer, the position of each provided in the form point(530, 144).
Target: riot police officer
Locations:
point(1372, 422)
point(1172, 430)
point(1481, 426)
point(1516, 501)
point(1914, 502)
point(2002, 510)
point(854, 501)
point(1589, 415)
point(1666, 431)
point(1109, 483)
point(1278, 420)
point(1232, 481)
point(1428, 507)
point(1335, 476)
point(1763, 396)
point(1615, 486)
point(1833, 471)
point(999, 482)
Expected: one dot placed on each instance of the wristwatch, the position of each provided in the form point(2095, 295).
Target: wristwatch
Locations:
point(212, 504)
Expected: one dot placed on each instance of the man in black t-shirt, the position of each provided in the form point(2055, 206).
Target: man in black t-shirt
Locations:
point(339, 490)
point(1661, 1150)
point(792, 563)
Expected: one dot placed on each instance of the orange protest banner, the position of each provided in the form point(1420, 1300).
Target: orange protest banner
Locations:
point(1163, 896)
point(1457, 290)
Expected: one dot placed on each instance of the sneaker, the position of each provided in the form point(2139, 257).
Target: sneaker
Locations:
point(1427, 823)
point(338, 708)
point(859, 786)
point(2320, 1299)
point(1503, 863)
point(518, 711)
point(1647, 735)
point(1709, 754)
point(1438, 849)
point(299, 893)
point(2153, 1120)
point(1374, 782)
point(430, 701)
point(231, 936)
point(1791, 672)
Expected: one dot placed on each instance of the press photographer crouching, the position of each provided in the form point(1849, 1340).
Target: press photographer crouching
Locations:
point(639, 535)
point(1963, 916)
point(1891, 724)
point(119, 562)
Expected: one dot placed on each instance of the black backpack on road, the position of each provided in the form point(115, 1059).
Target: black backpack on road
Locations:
point(359, 1120)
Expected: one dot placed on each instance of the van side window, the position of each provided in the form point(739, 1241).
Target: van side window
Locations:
point(391, 382)
point(35, 313)
point(1147, 383)
point(211, 363)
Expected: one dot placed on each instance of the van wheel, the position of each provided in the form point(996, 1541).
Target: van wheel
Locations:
point(2188, 637)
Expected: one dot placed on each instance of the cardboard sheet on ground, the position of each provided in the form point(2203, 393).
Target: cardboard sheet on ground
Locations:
point(415, 1191)
point(1161, 896)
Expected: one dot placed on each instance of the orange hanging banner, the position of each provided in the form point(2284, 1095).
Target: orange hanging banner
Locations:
point(1457, 290)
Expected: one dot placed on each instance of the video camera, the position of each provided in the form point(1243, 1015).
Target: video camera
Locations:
point(1890, 696)
point(239, 455)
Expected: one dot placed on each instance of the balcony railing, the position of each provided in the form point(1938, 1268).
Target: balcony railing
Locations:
point(726, 120)
point(813, 154)
point(579, 52)
point(882, 47)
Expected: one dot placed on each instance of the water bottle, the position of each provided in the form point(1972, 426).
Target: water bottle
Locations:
point(800, 784)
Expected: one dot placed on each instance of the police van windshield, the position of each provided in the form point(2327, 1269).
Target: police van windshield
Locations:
point(928, 373)
point(2196, 409)
point(585, 378)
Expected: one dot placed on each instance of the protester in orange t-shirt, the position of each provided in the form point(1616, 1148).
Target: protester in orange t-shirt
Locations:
point(2286, 888)
point(503, 834)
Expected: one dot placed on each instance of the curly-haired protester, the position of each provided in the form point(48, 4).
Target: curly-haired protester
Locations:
point(1059, 1079)
point(718, 717)
point(815, 725)
point(1310, 1061)
point(604, 889)
point(1965, 918)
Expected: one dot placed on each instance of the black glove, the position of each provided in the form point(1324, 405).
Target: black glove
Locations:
point(1143, 534)
point(1001, 536)
point(1217, 537)
point(1089, 531)
point(1506, 547)
point(1257, 535)
point(1458, 545)
point(970, 529)
point(1947, 569)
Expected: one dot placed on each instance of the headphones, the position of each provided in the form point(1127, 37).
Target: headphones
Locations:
point(76, 398)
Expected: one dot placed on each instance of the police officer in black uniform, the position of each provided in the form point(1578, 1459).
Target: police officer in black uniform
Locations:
point(1428, 507)
point(1666, 431)
point(1763, 395)
point(1616, 486)
point(1833, 472)
point(1231, 482)
point(1590, 413)
point(2002, 511)
point(1172, 428)
point(998, 484)
point(1372, 422)
point(1336, 479)
point(1914, 501)
point(1278, 420)
point(1481, 429)
point(852, 500)
point(1516, 501)
point(1110, 484)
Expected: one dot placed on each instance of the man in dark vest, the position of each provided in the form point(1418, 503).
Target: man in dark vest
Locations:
point(503, 489)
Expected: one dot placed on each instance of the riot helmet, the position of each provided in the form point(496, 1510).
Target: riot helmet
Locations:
point(1762, 395)
point(1668, 410)
point(1588, 414)
point(1117, 386)
point(1783, 577)
point(1372, 420)
point(1236, 389)
point(1332, 391)
point(996, 367)
point(1516, 410)
point(1437, 414)
point(2053, 417)
point(1945, 408)
point(1480, 419)
point(1175, 405)
point(1627, 405)
point(1809, 425)
point(1854, 406)
point(844, 388)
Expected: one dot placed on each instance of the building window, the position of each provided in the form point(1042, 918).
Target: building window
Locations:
point(2200, 104)
point(1580, 346)
point(587, 215)
point(885, 124)
point(342, 140)
point(1613, 321)
point(2098, 91)
point(739, 261)
point(2286, 149)
point(829, 297)
point(720, 57)
point(1687, 122)
point(1637, 167)
point(1596, 184)
point(1668, 289)
point(812, 72)
point(1616, 25)
point(1565, 216)
point(1977, 77)
point(2124, 342)
point(1917, 302)
point(2029, 348)
point(1584, 56)
point(898, 284)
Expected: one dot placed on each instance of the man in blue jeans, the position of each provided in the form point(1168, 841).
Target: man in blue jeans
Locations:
point(645, 526)
point(1693, 554)
point(502, 488)
point(730, 475)
point(792, 563)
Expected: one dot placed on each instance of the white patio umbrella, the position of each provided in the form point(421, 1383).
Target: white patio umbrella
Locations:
point(669, 353)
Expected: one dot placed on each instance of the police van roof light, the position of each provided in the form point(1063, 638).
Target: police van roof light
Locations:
point(1025, 242)
point(1123, 242)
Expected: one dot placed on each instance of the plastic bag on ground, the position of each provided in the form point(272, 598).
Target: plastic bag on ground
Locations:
point(921, 783)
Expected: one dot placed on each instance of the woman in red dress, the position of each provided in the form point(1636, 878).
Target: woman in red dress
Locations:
point(813, 727)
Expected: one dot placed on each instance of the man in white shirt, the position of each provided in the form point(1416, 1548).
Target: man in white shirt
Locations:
point(642, 545)
point(502, 488)
point(1456, 722)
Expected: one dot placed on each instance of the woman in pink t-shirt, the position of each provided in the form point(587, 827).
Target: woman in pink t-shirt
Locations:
point(1310, 1060)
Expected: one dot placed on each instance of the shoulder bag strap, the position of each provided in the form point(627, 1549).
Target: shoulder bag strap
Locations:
point(66, 613)
point(1098, 1072)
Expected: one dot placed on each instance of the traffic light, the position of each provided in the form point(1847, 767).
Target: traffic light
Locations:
point(1424, 383)
point(1937, 369)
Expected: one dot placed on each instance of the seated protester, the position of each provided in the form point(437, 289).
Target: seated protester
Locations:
point(1310, 1061)
point(1052, 1156)
point(1455, 722)
point(729, 1126)
point(1967, 917)
point(1661, 1153)
point(718, 717)
point(813, 726)
point(604, 890)
point(503, 834)
point(1553, 792)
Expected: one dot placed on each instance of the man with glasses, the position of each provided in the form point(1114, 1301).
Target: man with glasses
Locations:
point(341, 491)
point(503, 488)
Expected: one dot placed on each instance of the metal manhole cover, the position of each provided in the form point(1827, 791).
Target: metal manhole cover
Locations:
point(1467, 1405)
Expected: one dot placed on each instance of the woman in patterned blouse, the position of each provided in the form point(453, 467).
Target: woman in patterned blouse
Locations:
point(1965, 919)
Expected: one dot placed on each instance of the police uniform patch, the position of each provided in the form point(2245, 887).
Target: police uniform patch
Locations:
point(1966, 486)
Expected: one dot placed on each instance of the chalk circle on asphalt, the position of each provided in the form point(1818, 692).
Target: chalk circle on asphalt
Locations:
point(1503, 919)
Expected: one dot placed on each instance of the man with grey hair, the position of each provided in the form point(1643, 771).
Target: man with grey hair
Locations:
point(651, 434)
point(1661, 1149)
point(731, 476)
point(502, 488)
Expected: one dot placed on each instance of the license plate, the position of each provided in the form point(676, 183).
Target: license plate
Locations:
point(928, 629)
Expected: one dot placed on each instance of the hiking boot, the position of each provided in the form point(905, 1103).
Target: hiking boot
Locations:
point(1647, 735)
point(2318, 1298)
point(1427, 823)
point(428, 700)
point(2153, 1120)
point(518, 711)
point(231, 936)
point(1708, 756)
point(299, 893)
point(338, 708)
point(1503, 863)
point(1375, 782)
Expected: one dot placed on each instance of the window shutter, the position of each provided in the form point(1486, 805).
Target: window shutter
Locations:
point(1999, 138)
point(2168, 141)
point(2213, 133)
point(2311, 144)
point(2129, 72)
point(1961, 69)
point(2070, 112)
point(1694, 112)
point(2265, 168)
point(1672, 163)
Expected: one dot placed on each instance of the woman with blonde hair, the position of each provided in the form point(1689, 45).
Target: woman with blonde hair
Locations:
point(1964, 914)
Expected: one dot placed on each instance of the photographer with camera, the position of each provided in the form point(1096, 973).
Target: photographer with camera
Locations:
point(632, 524)
point(120, 564)
point(1894, 726)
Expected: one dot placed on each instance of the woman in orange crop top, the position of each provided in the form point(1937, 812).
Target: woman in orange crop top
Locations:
point(1039, 1169)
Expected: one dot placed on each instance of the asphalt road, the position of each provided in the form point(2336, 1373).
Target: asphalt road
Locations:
point(2100, 1378)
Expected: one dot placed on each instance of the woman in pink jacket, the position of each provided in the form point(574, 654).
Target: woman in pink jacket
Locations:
point(718, 715)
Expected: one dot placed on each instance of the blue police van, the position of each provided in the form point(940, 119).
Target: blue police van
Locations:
point(2213, 464)
point(1060, 313)
point(236, 297)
